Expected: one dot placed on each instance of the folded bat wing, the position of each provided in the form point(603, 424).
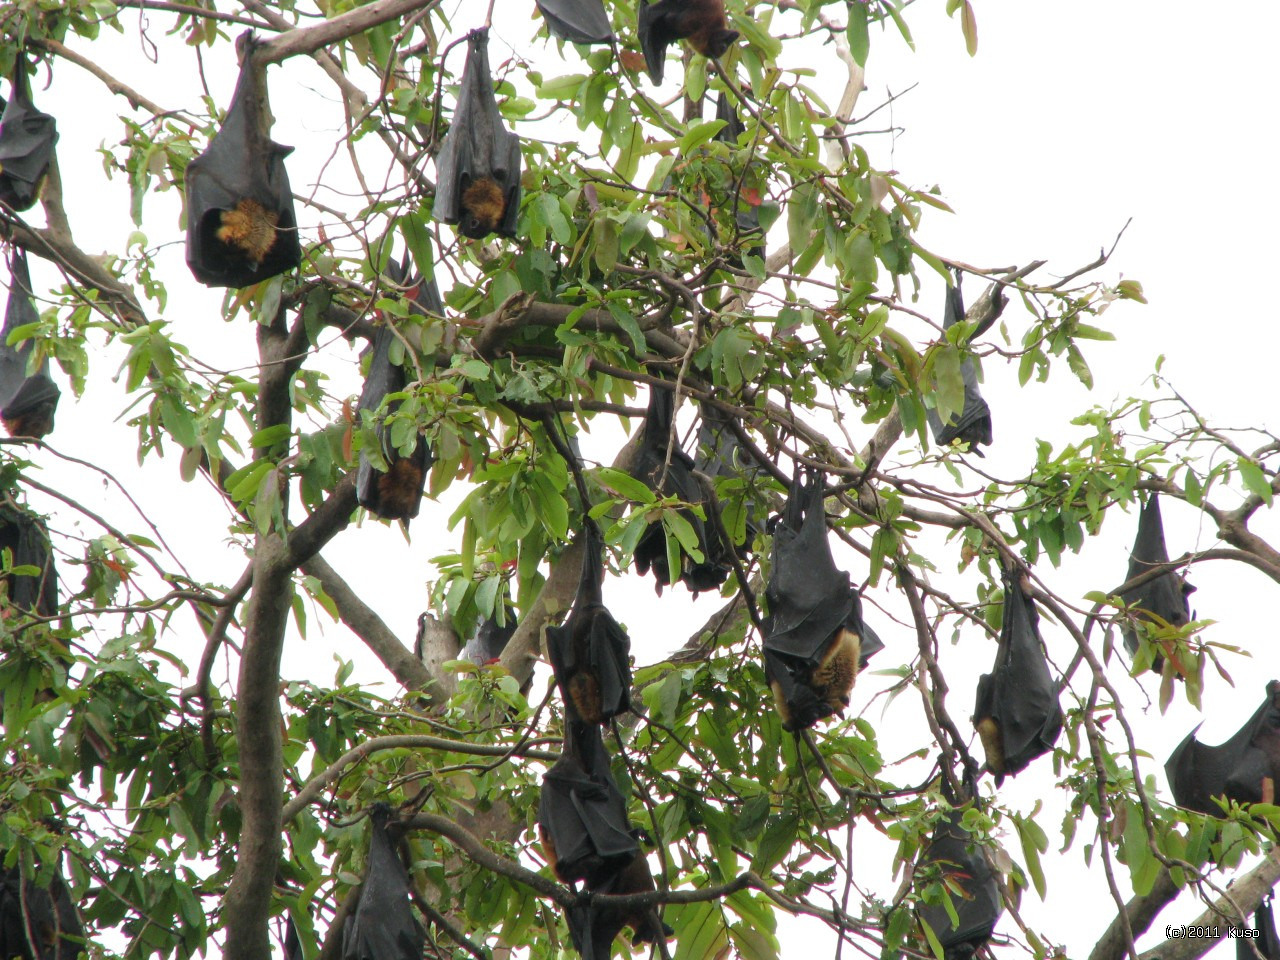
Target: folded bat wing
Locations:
point(1236, 769)
point(655, 36)
point(746, 217)
point(578, 21)
point(478, 168)
point(28, 399)
point(963, 865)
point(241, 227)
point(581, 813)
point(1266, 941)
point(1019, 695)
point(27, 539)
point(1166, 595)
point(668, 471)
point(37, 922)
point(383, 926)
point(972, 425)
point(27, 138)
point(395, 494)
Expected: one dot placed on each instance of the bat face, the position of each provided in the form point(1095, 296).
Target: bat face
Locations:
point(590, 653)
point(951, 852)
point(397, 493)
point(701, 22)
point(383, 926)
point(582, 817)
point(478, 168)
point(27, 399)
point(47, 912)
point(241, 227)
point(27, 540)
point(27, 137)
point(672, 476)
point(1166, 595)
point(1244, 769)
point(578, 21)
point(813, 632)
point(972, 425)
point(1016, 710)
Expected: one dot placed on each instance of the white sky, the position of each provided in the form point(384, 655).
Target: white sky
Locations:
point(1072, 119)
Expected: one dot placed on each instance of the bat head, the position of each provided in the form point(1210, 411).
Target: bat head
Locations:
point(719, 42)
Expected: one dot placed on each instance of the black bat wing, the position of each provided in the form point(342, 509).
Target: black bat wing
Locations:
point(871, 642)
point(478, 147)
point(49, 913)
point(654, 29)
point(27, 137)
point(242, 173)
point(28, 541)
point(721, 455)
point(27, 400)
point(1023, 698)
point(491, 639)
point(581, 813)
point(397, 493)
point(1166, 595)
point(1198, 772)
point(972, 425)
point(1266, 941)
point(383, 926)
point(292, 942)
point(746, 216)
point(578, 21)
point(809, 599)
point(979, 908)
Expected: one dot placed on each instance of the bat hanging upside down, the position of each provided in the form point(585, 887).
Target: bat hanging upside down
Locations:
point(701, 22)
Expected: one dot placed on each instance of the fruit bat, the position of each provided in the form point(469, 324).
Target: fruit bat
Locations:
point(578, 21)
point(1166, 595)
point(382, 926)
point(397, 493)
point(701, 22)
point(972, 425)
point(1016, 711)
point(673, 477)
point(721, 455)
point(1244, 769)
point(28, 399)
point(1266, 941)
point(961, 864)
point(38, 923)
point(590, 652)
point(423, 293)
point(241, 227)
point(478, 169)
point(814, 639)
point(27, 137)
point(746, 217)
point(490, 640)
point(27, 541)
point(582, 816)
point(593, 925)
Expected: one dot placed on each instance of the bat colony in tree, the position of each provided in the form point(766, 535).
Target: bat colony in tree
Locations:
point(241, 230)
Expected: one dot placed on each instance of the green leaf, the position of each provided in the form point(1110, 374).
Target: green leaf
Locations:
point(969, 25)
point(1254, 479)
point(859, 35)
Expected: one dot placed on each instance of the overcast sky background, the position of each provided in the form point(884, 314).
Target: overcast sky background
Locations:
point(1072, 119)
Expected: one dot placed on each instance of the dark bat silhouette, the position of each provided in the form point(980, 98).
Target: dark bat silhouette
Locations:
point(721, 455)
point(1266, 940)
point(746, 217)
point(478, 169)
point(582, 817)
point(382, 926)
point(48, 928)
point(701, 22)
point(972, 425)
point(673, 477)
point(1166, 595)
point(1243, 769)
point(578, 21)
point(27, 541)
point(1016, 711)
point(241, 227)
point(952, 851)
point(423, 292)
point(590, 652)
point(814, 639)
point(490, 640)
point(292, 942)
point(395, 494)
point(593, 926)
point(28, 400)
point(27, 137)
